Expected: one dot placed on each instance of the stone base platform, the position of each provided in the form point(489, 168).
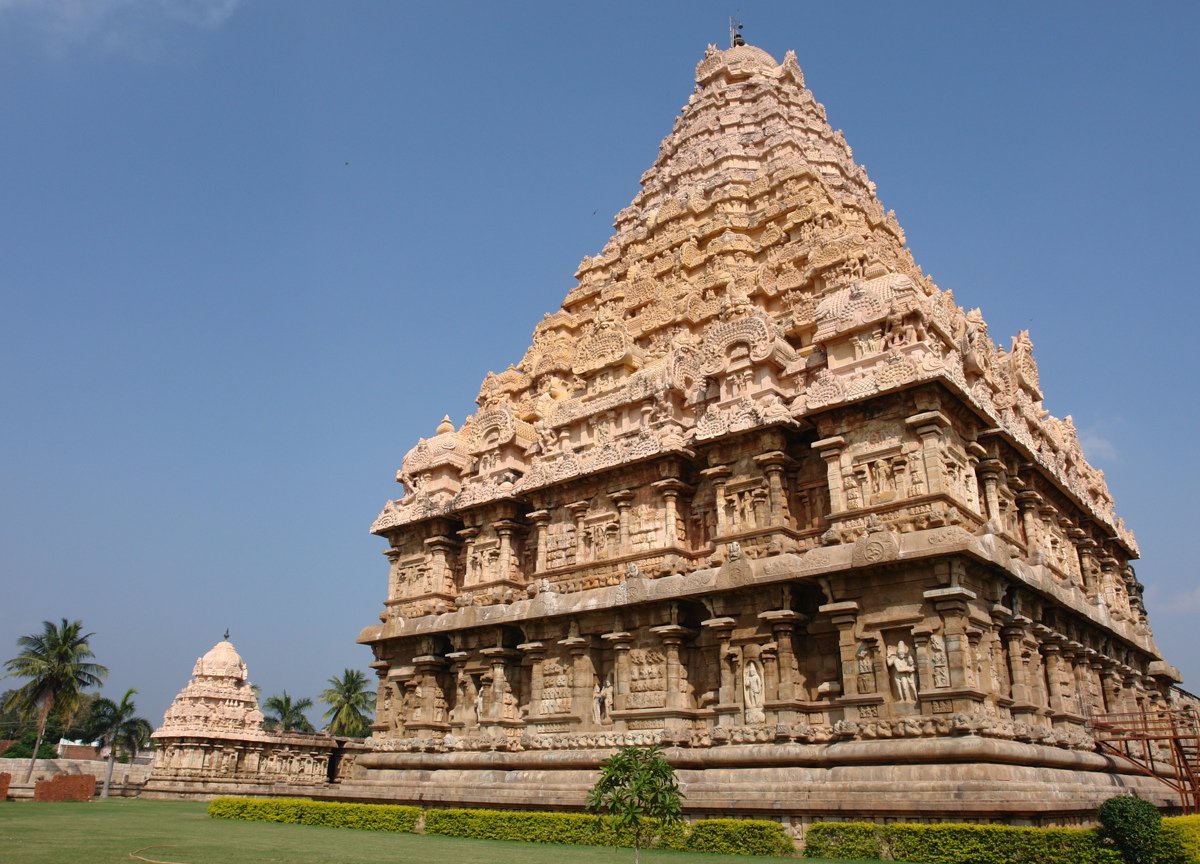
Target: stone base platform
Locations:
point(966, 779)
point(207, 789)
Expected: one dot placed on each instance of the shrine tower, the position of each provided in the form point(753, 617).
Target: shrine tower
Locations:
point(762, 492)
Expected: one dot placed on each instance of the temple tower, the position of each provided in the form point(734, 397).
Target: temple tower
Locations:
point(761, 491)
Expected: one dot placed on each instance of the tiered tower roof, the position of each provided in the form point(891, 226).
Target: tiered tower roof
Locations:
point(218, 701)
point(754, 231)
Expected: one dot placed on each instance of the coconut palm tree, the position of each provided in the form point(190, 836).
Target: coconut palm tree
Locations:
point(286, 715)
point(116, 725)
point(349, 703)
point(58, 664)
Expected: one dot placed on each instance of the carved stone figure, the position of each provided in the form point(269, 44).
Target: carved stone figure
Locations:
point(904, 668)
point(752, 688)
point(938, 661)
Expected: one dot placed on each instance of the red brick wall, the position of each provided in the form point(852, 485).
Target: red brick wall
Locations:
point(4, 780)
point(66, 787)
point(78, 751)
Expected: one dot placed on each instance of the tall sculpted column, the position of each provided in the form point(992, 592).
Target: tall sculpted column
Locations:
point(671, 489)
point(830, 450)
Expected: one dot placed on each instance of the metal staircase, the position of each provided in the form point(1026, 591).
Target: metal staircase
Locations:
point(1160, 743)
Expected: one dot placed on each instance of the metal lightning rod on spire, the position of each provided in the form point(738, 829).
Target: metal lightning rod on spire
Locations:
point(735, 33)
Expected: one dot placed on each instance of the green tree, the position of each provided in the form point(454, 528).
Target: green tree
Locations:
point(349, 702)
point(1133, 825)
point(58, 664)
point(638, 789)
point(285, 714)
point(118, 727)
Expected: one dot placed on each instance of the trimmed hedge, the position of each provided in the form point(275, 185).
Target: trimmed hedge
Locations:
point(947, 843)
point(567, 829)
point(739, 837)
point(330, 814)
point(730, 836)
point(1181, 834)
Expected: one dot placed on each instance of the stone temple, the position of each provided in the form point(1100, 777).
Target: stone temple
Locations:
point(763, 492)
point(212, 741)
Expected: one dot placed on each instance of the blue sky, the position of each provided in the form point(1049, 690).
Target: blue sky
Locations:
point(253, 251)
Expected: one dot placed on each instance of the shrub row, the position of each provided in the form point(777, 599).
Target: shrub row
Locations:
point(1181, 838)
point(730, 836)
point(330, 814)
point(957, 844)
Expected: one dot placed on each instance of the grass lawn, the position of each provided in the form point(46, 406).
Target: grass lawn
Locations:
point(98, 832)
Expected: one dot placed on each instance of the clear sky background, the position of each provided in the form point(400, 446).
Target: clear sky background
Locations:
point(250, 252)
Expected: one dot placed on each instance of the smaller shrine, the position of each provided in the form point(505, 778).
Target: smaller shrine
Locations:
point(212, 740)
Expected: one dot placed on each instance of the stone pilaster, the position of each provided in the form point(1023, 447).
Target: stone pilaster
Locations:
point(773, 465)
point(621, 641)
point(728, 703)
point(930, 426)
point(541, 524)
point(830, 449)
point(671, 489)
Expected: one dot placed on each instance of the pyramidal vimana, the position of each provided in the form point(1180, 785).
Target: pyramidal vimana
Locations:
point(761, 492)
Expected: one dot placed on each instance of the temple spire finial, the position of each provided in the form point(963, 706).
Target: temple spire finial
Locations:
point(226, 634)
point(735, 33)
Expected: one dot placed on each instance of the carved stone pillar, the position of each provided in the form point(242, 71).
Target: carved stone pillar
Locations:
point(1086, 548)
point(500, 691)
point(460, 708)
point(393, 556)
point(504, 565)
point(621, 641)
point(1052, 654)
point(623, 500)
point(728, 704)
point(578, 512)
point(1028, 503)
point(1014, 636)
point(437, 553)
point(951, 604)
point(974, 453)
point(929, 426)
point(433, 703)
point(921, 637)
point(672, 635)
point(830, 449)
point(1110, 687)
point(773, 465)
point(783, 627)
point(719, 474)
point(535, 656)
point(844, 616)
point(471, 574)
point(670, 489)
point(583, 675)
point(541, 524)
point(990, 471)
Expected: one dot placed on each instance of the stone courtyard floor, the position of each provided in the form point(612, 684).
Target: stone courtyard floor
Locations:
point(181, 832)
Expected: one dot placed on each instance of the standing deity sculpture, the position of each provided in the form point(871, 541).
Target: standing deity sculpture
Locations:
point(937, 658)
point(904, 667)
point(752, 687)
point(866, 668)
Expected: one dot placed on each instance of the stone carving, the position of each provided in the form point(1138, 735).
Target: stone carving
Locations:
point(904, 667)
point(752, 689)
point(938, 661)
point(756, 418)
point(865, 661)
